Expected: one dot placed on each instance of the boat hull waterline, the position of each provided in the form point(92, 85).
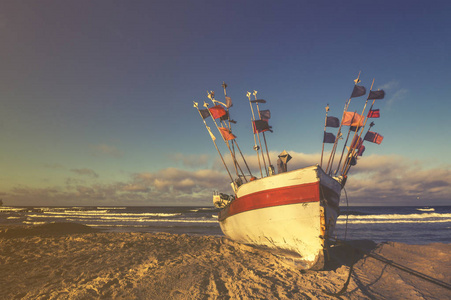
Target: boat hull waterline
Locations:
point(295, 212)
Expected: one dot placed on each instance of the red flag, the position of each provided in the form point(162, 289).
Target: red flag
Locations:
point(226, 134)
point(374, 113)
point(217, 111)
point(361, 150)
point(356, 142)
point(373, 137)
point(261, 126)
point(352, 119)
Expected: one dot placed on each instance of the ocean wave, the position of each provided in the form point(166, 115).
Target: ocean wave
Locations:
point(34, 223)
point(392, 221)
point(398, 216)
point(203, 209)
point(426, 209)
point(97, 213)
point(107, 207)
point(170, 221)
point(11, 209)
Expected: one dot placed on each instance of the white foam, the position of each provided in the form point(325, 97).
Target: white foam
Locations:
point(34, 223)
point(392, 221)
point(10, 209)
point(106, 207)
point(397, 216)
point(426, 209)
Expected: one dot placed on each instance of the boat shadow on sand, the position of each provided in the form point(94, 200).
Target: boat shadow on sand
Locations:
point(347, 253)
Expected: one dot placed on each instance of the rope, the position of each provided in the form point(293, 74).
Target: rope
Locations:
point(399, 266)
point(347, 212)
point(345, 286)
point(410, 271)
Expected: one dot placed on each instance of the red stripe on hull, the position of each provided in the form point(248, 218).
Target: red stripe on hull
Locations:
point(302, 193)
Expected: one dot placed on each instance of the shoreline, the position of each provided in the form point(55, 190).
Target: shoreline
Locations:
point(73, 261)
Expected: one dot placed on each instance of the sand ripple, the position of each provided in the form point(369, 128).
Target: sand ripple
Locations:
point(48, 263)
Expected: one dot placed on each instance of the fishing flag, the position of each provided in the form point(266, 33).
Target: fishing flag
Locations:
point(226, 134)
point(358, 91)
point(352, 119)
point(356, 142)
point(329, 138)
point(261, 126)
point(204, 113)
point(352, 159)
point(228, 102)
point(373, 137)
point(225, 117)
point(361, 150)
point(374, 113)
point(374, 95)
point(332, 122)
point(265, 114)
point(217, 111)
point(211, 134)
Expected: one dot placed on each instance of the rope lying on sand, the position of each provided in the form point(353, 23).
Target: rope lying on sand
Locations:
point(390, 263)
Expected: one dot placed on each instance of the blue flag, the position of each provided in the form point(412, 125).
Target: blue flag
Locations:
point(329, 138)
point(332, 122)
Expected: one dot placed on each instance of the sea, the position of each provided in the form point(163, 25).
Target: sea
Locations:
point(406, 224)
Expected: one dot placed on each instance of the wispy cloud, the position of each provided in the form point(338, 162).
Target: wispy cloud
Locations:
point(55, 166)
point(376, 180)
point(106, 150)
point(192, 160)
point(394, 91)
point(85, 172)
point(394, 180)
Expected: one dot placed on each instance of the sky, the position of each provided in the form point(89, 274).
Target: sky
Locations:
point(97, 96)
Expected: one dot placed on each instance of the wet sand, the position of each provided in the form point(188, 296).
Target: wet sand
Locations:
point(70, 261)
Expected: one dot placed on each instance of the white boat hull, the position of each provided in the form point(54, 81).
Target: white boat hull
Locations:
point(294, 211)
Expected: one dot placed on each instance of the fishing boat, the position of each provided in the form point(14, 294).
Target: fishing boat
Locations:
point(293, 213)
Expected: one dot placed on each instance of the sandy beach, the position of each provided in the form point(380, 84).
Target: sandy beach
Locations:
point(71, 261)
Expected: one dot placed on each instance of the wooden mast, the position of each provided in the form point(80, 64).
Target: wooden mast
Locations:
point(213, 138)
point(355, 132)
point(256, 147)
point(334, 148)
point(234, 142)
point(211, 94)
point(325, 125)
point(270, 167)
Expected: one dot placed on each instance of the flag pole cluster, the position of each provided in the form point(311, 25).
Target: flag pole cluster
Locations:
point(356, 124)
point(261, 125)
point(220, 116)
point(353, 139)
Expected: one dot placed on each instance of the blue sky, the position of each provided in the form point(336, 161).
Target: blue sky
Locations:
point(97, 96)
